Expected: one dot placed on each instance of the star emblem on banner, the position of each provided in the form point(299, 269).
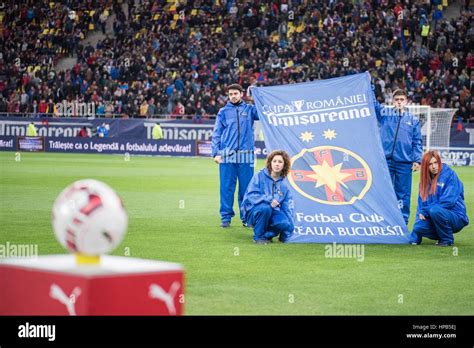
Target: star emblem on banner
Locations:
point(329, 134)
point(329, 176)
point(307, 136)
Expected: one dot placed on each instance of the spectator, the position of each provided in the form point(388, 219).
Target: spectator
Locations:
point(83, 133)
point(100, 111)
point(103, 130)
point(109, 109)
point(3, 105)
point(151, 111)
point(103, 20)
point(144, 109)
point(157, 132)
point(31, 130)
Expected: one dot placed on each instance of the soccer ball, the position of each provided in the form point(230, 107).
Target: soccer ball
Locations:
point(89, 218)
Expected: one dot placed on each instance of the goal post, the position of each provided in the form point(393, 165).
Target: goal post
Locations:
point(435, 125)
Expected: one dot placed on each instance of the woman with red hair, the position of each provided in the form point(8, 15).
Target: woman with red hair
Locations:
point(441, 209)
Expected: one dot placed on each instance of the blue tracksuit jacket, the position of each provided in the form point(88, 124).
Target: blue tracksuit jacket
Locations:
point(449, 195)
point(263, 188)
point(233, 130)
point(400, 134)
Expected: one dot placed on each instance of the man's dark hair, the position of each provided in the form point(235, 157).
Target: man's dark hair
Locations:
point(235, 86)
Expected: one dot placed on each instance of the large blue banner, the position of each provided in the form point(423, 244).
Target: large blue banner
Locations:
point(339, 178)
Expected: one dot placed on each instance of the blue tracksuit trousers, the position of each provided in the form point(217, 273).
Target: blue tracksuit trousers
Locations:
point(440, 225)
point(401, 174)
point(228, 175)
point(268, 223)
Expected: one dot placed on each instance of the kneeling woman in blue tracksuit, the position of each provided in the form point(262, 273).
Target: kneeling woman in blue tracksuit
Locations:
point(441, 210)
point(268, 203)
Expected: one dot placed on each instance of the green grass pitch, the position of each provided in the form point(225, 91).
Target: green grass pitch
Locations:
point(173, 215)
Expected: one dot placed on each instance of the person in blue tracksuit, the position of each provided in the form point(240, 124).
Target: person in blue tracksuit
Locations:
point(400, 132)
point(268, 203)
point(441, 209)
point(233, 149)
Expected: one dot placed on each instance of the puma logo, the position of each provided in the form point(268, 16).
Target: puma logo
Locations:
point(58, 294)
point(157, 292)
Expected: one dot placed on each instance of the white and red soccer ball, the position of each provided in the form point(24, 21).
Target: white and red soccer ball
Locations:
point(89, 218)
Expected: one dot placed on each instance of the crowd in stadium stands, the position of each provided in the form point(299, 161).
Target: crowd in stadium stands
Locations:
point(173, 59)
point(34, 35)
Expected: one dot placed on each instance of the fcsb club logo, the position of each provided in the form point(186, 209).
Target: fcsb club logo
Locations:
point(330, 175)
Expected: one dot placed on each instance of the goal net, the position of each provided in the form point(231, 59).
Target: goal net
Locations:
point(435, 125)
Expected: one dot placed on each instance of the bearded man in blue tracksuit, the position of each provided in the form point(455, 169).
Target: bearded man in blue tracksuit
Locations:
point(233, 149)
point(400, 132)
point(441, 209)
